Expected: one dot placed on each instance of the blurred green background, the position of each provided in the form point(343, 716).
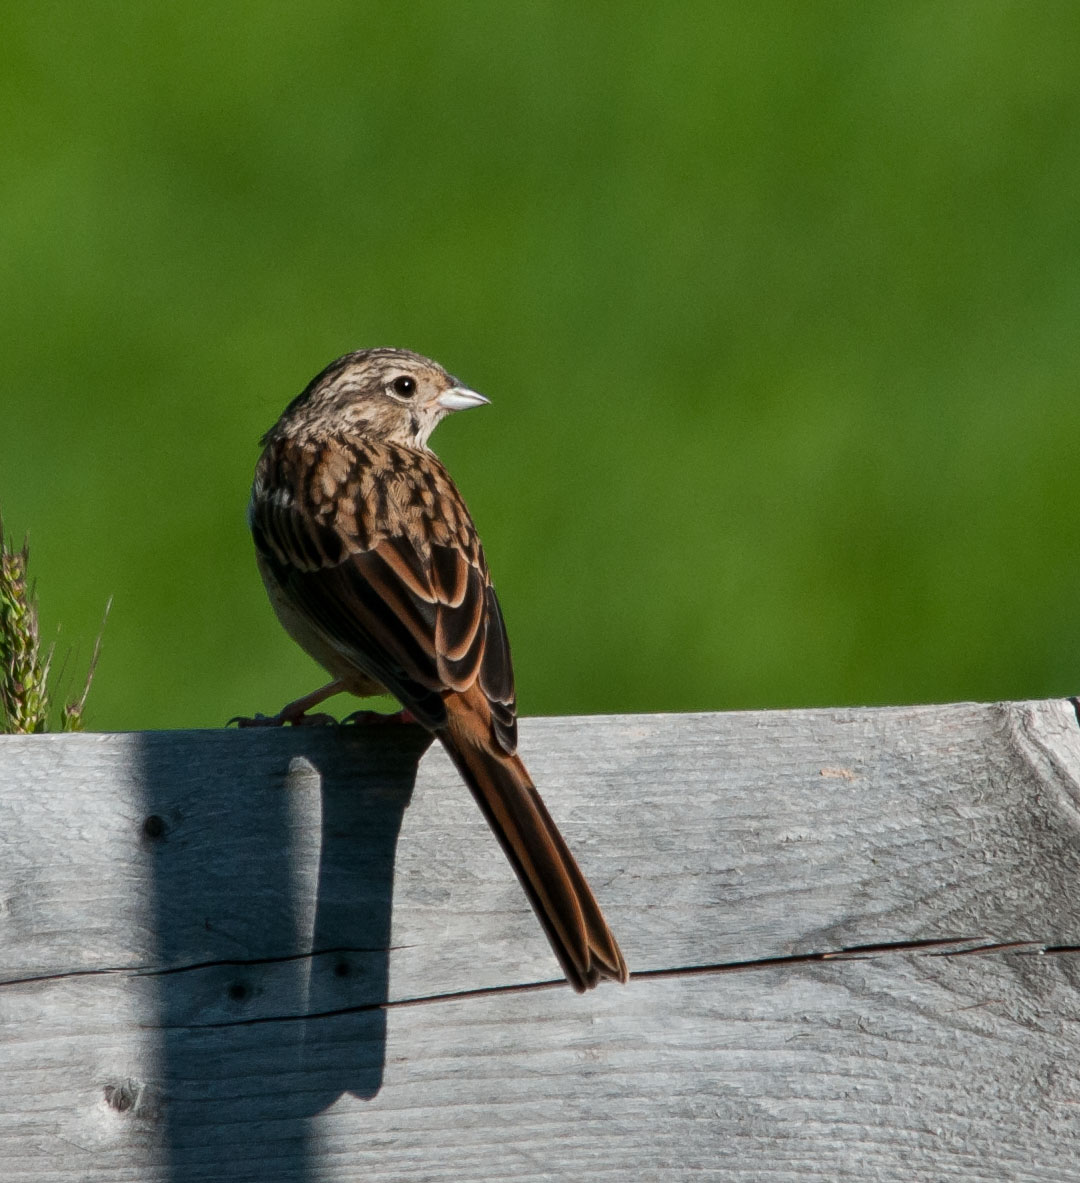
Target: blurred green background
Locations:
point(776, 303)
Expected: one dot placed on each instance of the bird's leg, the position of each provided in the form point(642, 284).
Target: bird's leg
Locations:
point(296, 712)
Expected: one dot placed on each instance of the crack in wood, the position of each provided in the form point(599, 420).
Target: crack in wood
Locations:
point(148, 971)
point(998, 947)
point(931, 947)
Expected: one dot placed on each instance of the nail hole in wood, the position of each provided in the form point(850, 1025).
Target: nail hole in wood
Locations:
point(154, 827)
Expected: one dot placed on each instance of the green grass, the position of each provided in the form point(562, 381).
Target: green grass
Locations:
point(776, 305)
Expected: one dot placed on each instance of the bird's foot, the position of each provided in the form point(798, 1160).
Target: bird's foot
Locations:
point(369, 718)
point(255, 721)
point(281, 718)
point(295, 712)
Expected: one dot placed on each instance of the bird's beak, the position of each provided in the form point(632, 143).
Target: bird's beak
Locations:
point(459, 398)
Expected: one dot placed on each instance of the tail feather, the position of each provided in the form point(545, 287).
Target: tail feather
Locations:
point(558, 891)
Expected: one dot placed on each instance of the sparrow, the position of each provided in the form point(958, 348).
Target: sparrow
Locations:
point(373, 565)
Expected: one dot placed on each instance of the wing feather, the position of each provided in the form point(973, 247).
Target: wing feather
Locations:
point(449, 574)
point(457, 626)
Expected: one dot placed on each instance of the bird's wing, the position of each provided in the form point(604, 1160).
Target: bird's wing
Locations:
point(406, 596)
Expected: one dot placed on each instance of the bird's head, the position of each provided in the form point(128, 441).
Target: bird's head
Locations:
point(390, 395)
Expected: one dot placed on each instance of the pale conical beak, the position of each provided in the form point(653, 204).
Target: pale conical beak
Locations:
point(459, 398)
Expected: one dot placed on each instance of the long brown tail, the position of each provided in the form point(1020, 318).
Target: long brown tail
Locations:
point(557, 890)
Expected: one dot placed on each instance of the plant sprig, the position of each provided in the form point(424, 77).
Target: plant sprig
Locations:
point(26, 688)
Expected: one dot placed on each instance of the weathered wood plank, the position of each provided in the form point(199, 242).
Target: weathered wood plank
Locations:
point(224, 993)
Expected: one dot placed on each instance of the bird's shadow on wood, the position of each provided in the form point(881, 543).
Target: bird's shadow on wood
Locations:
point(273, 857)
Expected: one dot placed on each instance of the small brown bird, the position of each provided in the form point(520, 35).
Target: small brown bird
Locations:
point(373, 566)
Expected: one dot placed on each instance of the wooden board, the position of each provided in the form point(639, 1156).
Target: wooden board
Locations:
point(855, 937)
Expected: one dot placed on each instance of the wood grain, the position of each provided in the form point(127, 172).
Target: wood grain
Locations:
point(855, 937)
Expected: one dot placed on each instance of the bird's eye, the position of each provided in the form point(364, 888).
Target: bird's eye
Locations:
point(406, 387)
